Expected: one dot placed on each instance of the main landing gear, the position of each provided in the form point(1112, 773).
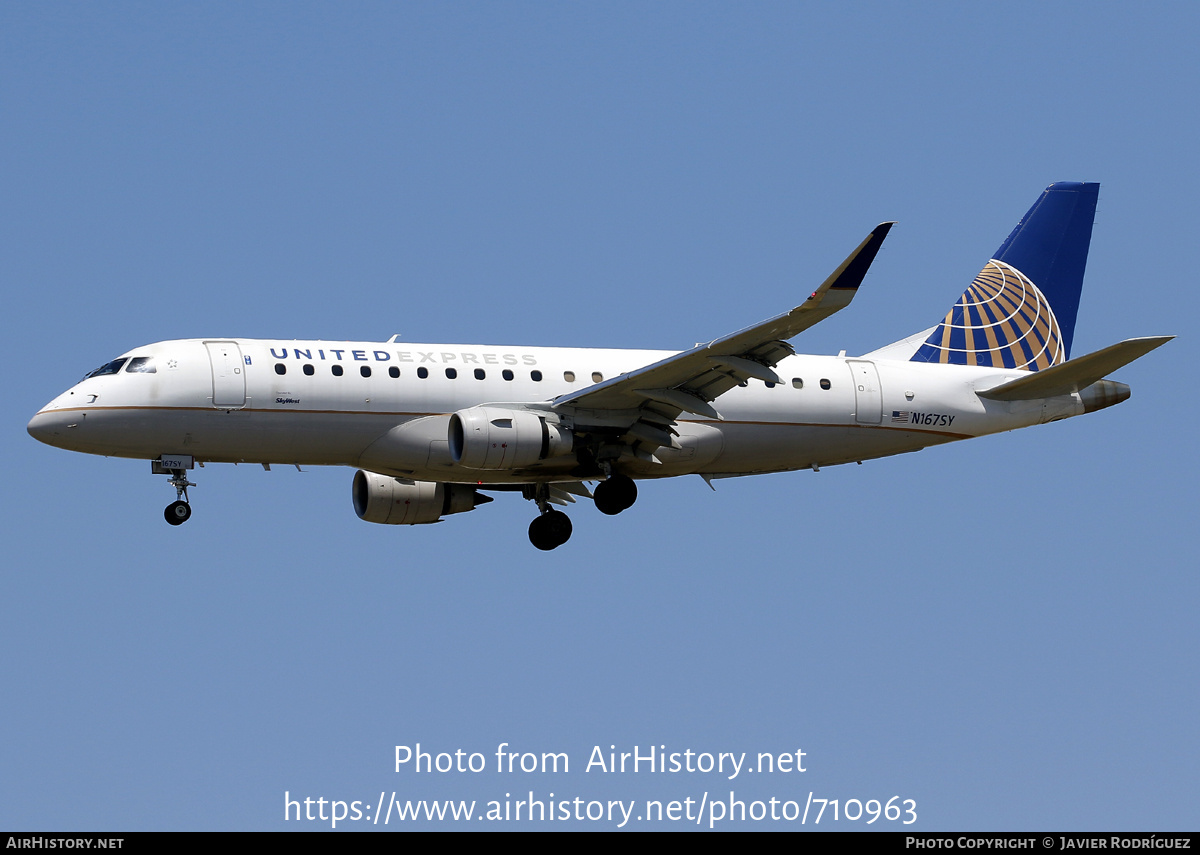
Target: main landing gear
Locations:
point(552, 528)
point(616, 494)
point(179, 511)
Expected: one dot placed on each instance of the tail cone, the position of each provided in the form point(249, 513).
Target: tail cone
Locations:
point(1103, 393)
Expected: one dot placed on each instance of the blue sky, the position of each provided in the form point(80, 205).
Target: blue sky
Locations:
point(1001, 630)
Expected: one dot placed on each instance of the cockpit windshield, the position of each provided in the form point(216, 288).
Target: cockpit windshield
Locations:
point(107, 368)
point(141, 365)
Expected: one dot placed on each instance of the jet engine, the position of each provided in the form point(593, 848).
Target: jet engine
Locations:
point(497, 438)
point(395, 501)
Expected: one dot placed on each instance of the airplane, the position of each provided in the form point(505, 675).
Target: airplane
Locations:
point(433, 428)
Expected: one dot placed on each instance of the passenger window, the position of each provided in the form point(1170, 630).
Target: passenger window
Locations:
point(393, 372)
point(107, 368)
point(825, 384)
point(364, 370)
point(309, 370)
point(141, 365)
point(535, 376)
point(451, 373)
point(337, 371)
point(422, 372)
point(506, 374)
point(569, 376)
point(597, 377)
point(797, 383)
point(479, 374)
point(280, 368)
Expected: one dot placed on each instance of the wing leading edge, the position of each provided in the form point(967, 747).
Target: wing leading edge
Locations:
point(690, 381)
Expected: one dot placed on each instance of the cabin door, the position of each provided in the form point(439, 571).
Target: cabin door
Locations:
point(228, 374)
point(868, 397)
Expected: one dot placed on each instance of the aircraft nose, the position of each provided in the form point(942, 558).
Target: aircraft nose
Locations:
point(49, 427)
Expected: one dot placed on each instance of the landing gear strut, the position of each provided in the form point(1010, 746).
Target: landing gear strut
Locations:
point(179, 511)
point(615, 494)
point(551, 528)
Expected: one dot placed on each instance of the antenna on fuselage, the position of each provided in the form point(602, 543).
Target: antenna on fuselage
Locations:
point(394, 339)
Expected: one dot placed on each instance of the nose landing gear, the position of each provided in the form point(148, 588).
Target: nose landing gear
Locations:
point(176, 465)
point(179, 511)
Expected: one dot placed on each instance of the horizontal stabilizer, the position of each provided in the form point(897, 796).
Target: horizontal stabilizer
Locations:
point(1069, 377)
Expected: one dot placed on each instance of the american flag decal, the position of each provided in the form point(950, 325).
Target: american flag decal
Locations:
point(899, 416)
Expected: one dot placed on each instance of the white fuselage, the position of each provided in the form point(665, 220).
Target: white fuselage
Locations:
point(385, 407)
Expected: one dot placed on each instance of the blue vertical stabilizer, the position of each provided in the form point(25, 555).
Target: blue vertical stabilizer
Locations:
point(1020, 311)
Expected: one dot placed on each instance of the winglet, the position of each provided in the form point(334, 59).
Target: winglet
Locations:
point(854, 269)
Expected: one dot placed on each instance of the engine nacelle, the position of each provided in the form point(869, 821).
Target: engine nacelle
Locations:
point(496, 438)
point(393, 501)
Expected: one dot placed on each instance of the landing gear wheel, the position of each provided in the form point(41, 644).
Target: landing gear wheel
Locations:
point(549, 531)
point(615, 494)
point(177, 513)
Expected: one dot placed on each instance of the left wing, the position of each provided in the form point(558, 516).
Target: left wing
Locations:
point(690, 381)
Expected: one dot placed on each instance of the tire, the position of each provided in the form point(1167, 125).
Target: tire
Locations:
point(616, 494)
point(177, 513)
point(550, 530)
